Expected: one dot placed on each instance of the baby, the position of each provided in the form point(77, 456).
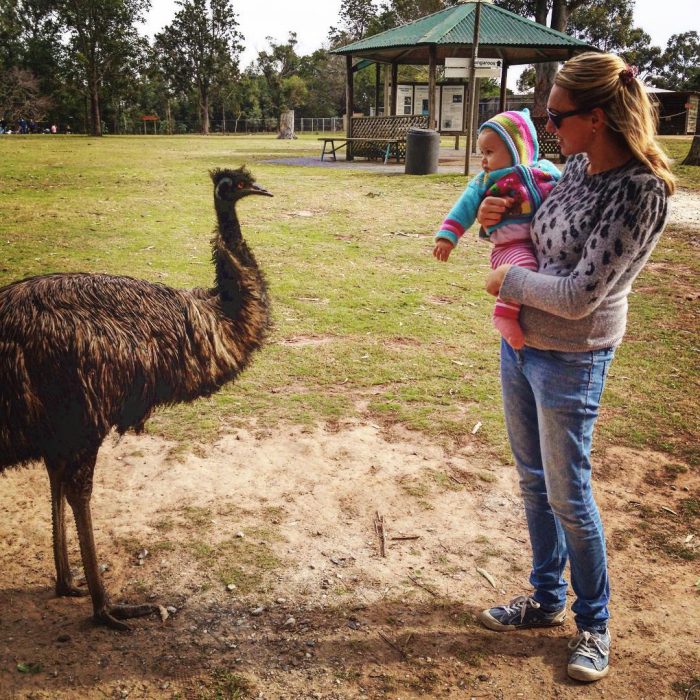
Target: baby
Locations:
point(511, 168)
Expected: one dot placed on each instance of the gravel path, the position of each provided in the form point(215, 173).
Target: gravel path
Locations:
point(685, 208)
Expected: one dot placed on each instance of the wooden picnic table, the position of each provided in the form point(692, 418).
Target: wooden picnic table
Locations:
point(390, 144)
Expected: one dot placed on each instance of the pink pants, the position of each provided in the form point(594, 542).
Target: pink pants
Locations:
point(520, 253)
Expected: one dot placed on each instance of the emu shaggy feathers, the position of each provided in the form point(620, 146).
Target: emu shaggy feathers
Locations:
point(81, 354)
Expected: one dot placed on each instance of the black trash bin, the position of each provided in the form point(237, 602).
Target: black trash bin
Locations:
point(422, 151)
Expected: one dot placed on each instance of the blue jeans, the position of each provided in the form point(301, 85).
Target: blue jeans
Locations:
point(551, 403)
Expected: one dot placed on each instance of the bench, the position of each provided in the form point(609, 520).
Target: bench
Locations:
point(384, 146)
point(376, 137)
point(549, 144)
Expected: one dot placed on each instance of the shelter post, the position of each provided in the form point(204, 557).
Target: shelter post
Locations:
point(394, 87)
point(349, 102)
point(387, 90)
point(472, 88)
point(377, 71)
point(475, 123)
point(504, 80)
point(432, 121)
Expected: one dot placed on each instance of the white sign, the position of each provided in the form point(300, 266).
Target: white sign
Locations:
point(420, 100)
point(483, 67)
point(493, 63)
point(452, 108)
point(488, 67)
point(457, 67)
point(404, 99)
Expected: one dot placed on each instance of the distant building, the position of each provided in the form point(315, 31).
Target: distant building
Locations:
point(678, 111)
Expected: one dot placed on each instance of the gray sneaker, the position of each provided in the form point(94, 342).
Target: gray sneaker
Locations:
point(521, 613)
point(589, 655)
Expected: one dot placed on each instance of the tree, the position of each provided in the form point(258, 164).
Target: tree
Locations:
point(639, 52)
point(201, 46)
point(285, 88)
point(356, 16)
point(606, 24)
point(20, 96)
point(104, 39)
point(31, 40)
point(526, 81)
point(679, 65)
point(411, 10)
point(603, 23)
point(246, 98)
point(324, 75)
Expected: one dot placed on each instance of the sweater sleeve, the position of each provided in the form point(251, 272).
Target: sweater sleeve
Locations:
point(617, 247)
point(463, 213)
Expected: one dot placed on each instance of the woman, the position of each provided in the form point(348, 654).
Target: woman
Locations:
point(592, 237)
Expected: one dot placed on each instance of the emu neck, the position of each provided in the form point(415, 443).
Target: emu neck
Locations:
point(229, 228)
point(239, 283)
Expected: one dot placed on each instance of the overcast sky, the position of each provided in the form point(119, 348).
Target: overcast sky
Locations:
point(311, 19)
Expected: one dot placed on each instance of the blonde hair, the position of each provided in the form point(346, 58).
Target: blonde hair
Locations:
point(606, 81)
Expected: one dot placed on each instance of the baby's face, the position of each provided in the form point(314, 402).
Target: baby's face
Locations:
point(494, 153)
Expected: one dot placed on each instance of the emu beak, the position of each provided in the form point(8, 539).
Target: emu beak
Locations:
point(255, 189)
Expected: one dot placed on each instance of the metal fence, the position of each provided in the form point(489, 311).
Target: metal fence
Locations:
point(490, 107)
point(321, 125)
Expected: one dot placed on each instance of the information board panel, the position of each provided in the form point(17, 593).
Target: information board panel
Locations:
point(404, 99)
point(420, 99)
point(452, 108)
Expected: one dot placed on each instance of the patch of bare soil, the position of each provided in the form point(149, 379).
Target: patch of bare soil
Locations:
point(266, 549)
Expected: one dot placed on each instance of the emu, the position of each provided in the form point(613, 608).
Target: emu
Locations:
point(81, 354)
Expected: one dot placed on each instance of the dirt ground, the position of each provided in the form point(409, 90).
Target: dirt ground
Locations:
point(266, 549)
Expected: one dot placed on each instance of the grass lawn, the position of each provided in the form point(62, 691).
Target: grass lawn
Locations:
point(367, 324)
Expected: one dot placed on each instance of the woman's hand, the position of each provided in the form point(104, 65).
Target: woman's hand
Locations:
point(494, 281)
point(491, 210)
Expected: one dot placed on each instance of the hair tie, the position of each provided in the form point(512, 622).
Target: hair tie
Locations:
point(628, 74)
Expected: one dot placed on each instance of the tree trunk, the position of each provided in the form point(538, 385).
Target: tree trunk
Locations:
point(204, 105)
point(169, 116)
point(693, 157)
point(546, 72)
point(95, 117)
point(287, 125)
point(544, 79)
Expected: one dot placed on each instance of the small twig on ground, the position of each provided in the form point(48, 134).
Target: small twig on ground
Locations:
point(379, 529)
point(459, 286)
point(423, 586)
point(393, 645)
point(405, 537)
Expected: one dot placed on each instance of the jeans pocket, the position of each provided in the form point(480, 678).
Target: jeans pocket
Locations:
point(583, 359)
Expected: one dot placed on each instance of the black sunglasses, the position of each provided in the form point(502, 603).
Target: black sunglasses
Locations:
point(558, 117)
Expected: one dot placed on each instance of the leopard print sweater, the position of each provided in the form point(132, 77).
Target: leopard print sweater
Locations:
point(592, 238)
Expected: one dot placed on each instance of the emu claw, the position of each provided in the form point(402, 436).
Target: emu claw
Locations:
point(71, 591)
point(112, 616)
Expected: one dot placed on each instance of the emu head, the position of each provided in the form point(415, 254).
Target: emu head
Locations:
point(232, 185)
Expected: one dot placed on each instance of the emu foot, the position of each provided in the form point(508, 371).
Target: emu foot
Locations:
point(112, 615)
point(70, 590)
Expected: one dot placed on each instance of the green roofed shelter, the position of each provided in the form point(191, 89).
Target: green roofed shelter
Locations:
point(449, 34)
point(502, 34)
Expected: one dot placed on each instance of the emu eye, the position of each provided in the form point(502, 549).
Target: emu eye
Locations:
point(240, 185)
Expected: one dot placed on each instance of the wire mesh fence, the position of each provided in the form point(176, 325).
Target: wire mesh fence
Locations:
point(154, 125)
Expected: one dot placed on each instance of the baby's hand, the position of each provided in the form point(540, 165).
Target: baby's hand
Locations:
point(442, 249)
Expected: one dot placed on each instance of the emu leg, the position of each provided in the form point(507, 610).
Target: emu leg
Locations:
point(78, 492)
point(64, 578)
